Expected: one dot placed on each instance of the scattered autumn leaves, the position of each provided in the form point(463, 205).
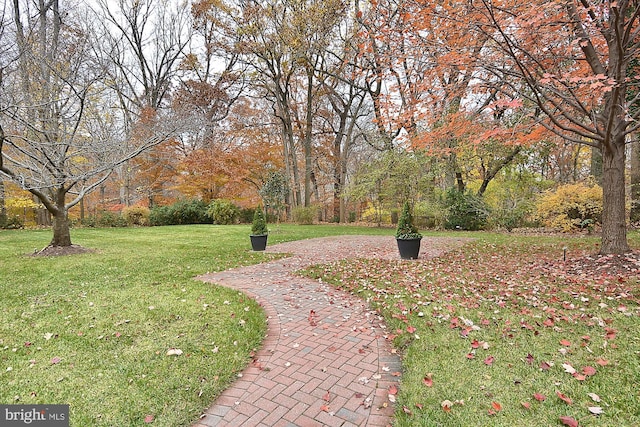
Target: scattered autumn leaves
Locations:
point(486, 288)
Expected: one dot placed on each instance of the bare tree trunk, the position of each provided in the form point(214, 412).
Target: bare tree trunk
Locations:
point(3, 205)
point(596, 165)
point(635, 182)
point(61, 232)
point(308, 167)
point(614, 224)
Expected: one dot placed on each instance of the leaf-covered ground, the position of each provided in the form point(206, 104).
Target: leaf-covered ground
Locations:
point(509, 334)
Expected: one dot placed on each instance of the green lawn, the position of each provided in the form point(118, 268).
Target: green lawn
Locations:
point(492, 335)
point(489, 333)
point(93, 330)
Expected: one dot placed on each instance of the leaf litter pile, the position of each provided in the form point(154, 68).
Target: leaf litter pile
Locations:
point(508, 334)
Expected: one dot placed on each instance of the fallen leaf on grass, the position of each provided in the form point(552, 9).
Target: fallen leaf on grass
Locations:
point(174, 352)
point(446, 405)
point(539, 397)
point(427, 380)
point(496, 406)
point(595, 410)
point(489, 360)
point(602, 362)
point(55, 360)
point(569, 421)
point(148, 419)
point(589, 370)
point(527, 405)
point(565, 343)
point(568, 368)
point(564, 398)
point(407, 410)
point(594, 397)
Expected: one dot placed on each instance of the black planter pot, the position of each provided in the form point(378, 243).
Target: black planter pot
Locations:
point(258, 243)
point(409, 248)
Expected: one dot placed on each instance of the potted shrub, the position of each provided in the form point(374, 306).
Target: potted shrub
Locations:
point(407, 235)
point(259, 231)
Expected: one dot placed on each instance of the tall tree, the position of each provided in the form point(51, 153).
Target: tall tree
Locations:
point(571, 59)
point(50, 95)
point(141, 46)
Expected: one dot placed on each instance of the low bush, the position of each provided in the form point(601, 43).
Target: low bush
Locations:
point(223, 212)
point(465, 211)
point(136, 215)
point(11, 222)
point(571, 207)
point(111, 219)
point(181, 212)
point(304, 215)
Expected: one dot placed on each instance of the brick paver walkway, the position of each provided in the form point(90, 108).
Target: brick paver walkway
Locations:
point(325, 361)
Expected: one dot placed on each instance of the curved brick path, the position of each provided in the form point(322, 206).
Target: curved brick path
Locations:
point(324, 360)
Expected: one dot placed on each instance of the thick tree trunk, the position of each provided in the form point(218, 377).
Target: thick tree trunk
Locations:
point(61, 233)
point(614, 224)
point(3, 206)
point(634, 216)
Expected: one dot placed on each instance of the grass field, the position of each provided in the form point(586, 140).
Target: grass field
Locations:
point(491, 334)
point(498, 334)
point(94, 330)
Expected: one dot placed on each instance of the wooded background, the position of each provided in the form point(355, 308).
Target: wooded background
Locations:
point(345, 108)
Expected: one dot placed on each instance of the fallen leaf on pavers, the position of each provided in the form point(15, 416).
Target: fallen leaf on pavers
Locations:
point(324, 408)
point(312, 318)
point(393, 389)
point(569, 421)
point(327, 396)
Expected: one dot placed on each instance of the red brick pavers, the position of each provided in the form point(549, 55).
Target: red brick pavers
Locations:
point(324, 361)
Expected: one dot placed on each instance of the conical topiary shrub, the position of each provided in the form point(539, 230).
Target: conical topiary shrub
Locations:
point(407, 235)
point(259, 230)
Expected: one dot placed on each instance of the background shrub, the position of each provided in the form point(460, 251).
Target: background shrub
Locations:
point(181, 212)
point(111, 219)
point(304, 215)
point(571, 207)
point(160, 215)
point(223, 212)
point(465, 211)
point(246, 215)
point(136, 215)
point(11, 222)
point(429, 214)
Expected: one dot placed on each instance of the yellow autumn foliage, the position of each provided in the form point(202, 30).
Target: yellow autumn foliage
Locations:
point(570, 207)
